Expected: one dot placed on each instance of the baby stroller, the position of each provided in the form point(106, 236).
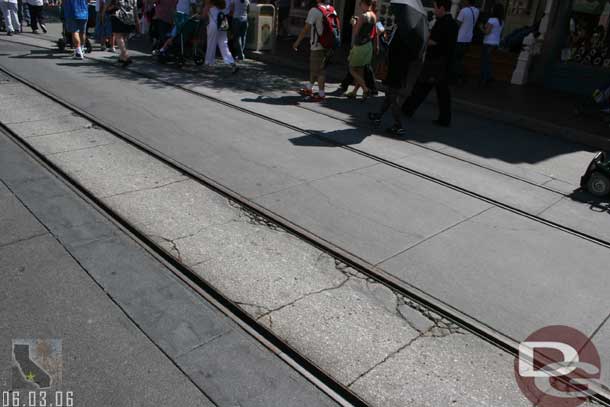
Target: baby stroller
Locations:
point(597, 104)
point(188, 43)
point(65, 41)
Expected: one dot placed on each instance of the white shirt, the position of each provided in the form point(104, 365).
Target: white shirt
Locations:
point(184, 6)
point(493, 38)
point(241, 9)
point(468, 17)
point(315, 19)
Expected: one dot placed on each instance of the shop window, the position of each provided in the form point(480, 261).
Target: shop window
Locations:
point(589, 34)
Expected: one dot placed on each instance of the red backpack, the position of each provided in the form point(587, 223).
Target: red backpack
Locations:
point(331, 31)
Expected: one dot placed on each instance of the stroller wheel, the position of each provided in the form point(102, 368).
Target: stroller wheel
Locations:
point(598, 184)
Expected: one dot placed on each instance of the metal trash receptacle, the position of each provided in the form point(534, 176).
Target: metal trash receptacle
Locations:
point(261, 28)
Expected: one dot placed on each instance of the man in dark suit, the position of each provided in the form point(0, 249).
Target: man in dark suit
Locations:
point(435, 73)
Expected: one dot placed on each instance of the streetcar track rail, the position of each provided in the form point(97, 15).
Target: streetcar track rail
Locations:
point(467, 322)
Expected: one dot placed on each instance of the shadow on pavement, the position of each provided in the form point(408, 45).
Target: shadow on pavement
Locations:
point(469, 134)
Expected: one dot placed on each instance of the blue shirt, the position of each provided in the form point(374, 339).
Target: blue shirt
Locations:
point(76, 9)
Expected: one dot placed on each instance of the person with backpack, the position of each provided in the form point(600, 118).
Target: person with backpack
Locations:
point(467, 21)
point(218, 26)
point(322, 25)
point(493, 34)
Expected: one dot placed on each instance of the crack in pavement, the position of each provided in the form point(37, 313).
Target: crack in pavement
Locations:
point(302, 297)
point(385, 359)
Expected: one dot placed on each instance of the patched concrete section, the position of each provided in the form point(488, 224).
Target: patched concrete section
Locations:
point(116, 168)
point(176, 211)
point(32, 113)
point(79, 139)
point(457, 370)
point(256, 266)
point(345, 330)
point(52, 125)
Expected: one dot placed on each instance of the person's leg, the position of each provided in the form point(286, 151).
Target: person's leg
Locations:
point(443, 94)
point(40, 18)
point(416, 98)
point(243, 25)
point(210, 52)
point(8, 21)
point(322, 73)
point(314, 68)
point(235, 31)
point(12, 10)
point(33, 19)
point(485, 63)
point(223, 45)
point(369, 78)
point(358, 74)
point(121, 42)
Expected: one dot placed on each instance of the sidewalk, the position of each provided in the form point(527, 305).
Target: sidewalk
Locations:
point(531, 107)
point(105, 320)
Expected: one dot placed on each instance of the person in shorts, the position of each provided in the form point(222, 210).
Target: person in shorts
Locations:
point(125, 20)
point(76, 13)
point(318, 56)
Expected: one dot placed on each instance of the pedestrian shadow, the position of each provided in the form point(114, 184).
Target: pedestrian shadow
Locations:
point(335, 138)
point(287, 100)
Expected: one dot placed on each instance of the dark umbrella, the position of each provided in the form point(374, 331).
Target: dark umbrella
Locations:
point(411, 21)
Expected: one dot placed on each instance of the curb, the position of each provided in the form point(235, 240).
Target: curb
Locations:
point(506, 117)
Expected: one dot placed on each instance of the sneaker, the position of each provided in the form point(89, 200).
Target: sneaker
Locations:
point(305, 92)
point(10, 33)
point(396, 130)
point(113, 50)
point(316, 98)
point(44, 28)
point(78, 54)
point(375, 119)
point(35, 32)
point(234, 68)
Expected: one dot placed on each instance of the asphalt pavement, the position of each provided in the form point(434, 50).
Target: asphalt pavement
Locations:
point(510, 272)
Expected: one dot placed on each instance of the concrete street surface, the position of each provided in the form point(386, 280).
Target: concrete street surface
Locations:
point(482, 245)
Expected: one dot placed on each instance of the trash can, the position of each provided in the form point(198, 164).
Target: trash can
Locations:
point(261, 28)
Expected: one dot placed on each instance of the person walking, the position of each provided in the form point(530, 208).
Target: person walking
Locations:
point(435, 72)
point(76, 13)
point(369, 75)
point(240, 26)
point(318, 55)
point(493, 34)
point(467, 21)
point(218, 26)
point(36, 17)
point(361, 54)
point(125, 20)
point(406, 49)
point(11, 18)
